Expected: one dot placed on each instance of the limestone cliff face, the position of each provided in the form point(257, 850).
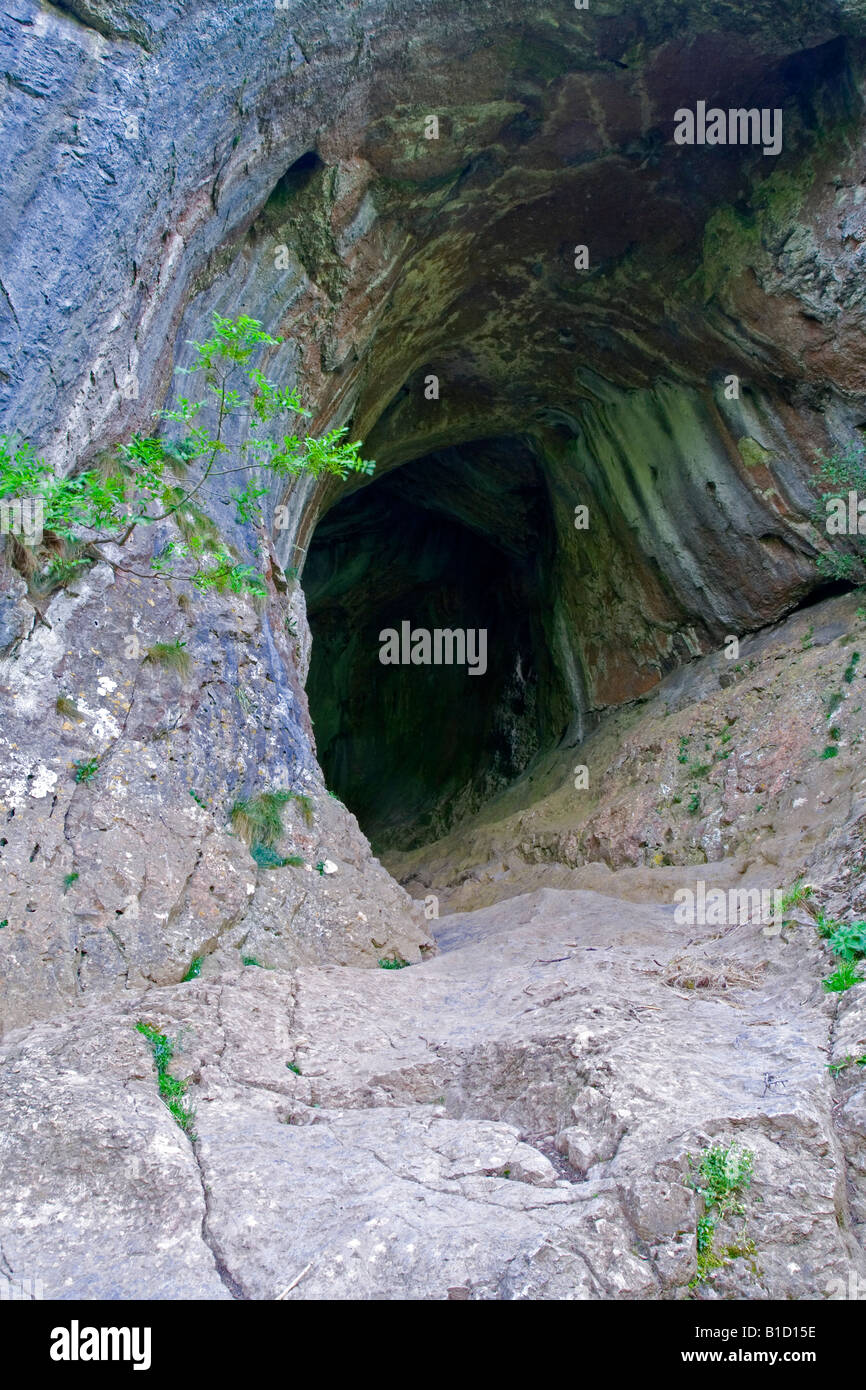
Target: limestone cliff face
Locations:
point(163, 162)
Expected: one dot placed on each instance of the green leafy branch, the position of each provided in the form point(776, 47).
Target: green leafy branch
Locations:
point(154, 479)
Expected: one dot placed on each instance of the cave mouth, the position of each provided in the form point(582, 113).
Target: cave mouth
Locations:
point(460, 543)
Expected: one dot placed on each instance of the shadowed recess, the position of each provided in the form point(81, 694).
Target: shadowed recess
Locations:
point(461, 540)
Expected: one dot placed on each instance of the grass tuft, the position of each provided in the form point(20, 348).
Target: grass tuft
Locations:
point(63, 705)
point(846, 977)
point(306, 804)
point(259, 819)
point(172, 655)
point(797, 895)
point(172, 1091)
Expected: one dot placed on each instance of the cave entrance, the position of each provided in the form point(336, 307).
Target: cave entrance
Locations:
point(461, 540)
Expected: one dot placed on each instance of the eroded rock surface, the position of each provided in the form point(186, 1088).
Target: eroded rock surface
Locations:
point(515, 1117)
point(742, 768)
point(136, 872)
point(300, 187)
point(512, 1119)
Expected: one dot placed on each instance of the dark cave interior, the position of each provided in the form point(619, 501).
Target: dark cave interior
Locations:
point(461, 539)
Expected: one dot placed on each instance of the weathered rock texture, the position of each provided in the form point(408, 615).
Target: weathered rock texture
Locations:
point(520, 1117)
point(164, 162)
point(748, 763)
point(514, 1119)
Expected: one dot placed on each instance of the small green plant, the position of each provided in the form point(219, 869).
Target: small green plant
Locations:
point(825, 926)
point(268, 858)
point(85, 769)
point(172, 1091)
point(694, 804)
point(723, 1175)
point(831, 751)
point(63, 705)
point(806, 639)
point(172, 655)
point(833, 703)
point(851, 669)
point(4, 923)
point(194, 969)
point(60, 571)
point(849, 942)
point(700, 769)
point(253, 960)
point(796, 896)
point(68, 880)
point(683, 754)
point(393, 963)
point(265, 857)
point(846, 977)
point(259, 819)
point(199, 800)
point(291, 1066)
point(835, 1068)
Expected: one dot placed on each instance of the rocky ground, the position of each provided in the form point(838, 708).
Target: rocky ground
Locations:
point(518, 1118)
point(521, 1115)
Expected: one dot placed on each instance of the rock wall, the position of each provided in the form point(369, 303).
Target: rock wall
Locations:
point(169, 162)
